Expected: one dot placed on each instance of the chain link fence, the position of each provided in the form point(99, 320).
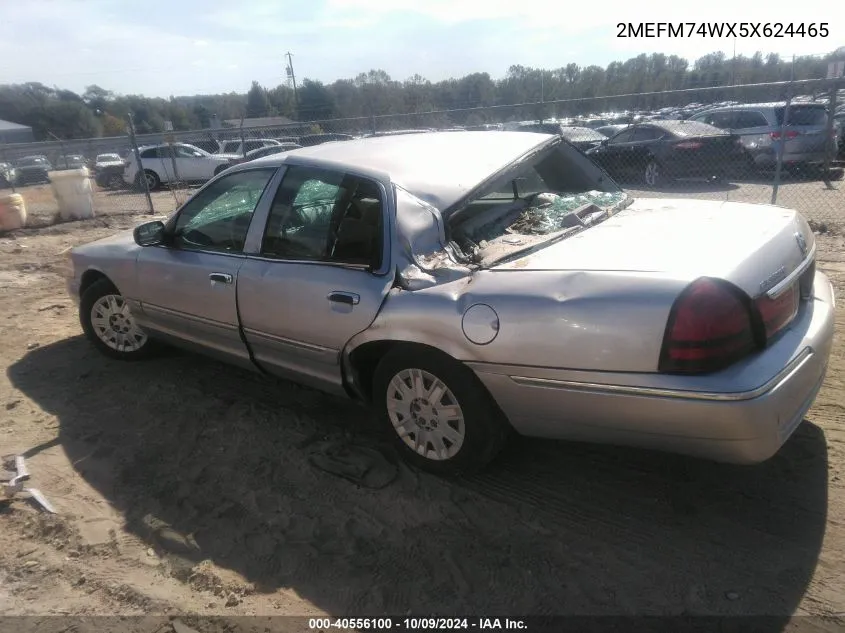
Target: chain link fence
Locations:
point(776, 143)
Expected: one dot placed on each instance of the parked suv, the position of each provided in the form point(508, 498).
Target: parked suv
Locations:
point(32, 169)
point(108, 170)
point(759, 127)
point(236, 147)
point(191, 164)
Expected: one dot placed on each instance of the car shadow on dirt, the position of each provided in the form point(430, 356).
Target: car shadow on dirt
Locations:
point(222, 457)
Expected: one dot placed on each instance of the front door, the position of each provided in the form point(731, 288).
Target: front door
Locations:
point(187, 287)
point(320, 277)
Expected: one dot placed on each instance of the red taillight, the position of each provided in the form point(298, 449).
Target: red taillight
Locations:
point(788, 135)
point(709, 328)
point(777, 313)
point(688, 145)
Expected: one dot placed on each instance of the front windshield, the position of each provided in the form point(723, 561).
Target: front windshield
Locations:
point(552, 194)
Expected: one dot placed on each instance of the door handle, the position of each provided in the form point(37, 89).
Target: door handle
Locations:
point(349, 298)
point(223, 278)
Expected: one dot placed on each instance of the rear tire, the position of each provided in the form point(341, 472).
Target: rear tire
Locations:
point(109, 326)
point(440, 415)
point(153, 181)
point(653, 174)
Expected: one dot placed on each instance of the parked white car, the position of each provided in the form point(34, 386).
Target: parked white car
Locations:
point(190, 164)
point(250, 144)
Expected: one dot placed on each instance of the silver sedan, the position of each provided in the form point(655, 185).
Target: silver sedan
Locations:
point(468, 285)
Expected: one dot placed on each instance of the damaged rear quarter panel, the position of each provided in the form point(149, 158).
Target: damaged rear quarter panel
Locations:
point(581, 320)
point(599, 321)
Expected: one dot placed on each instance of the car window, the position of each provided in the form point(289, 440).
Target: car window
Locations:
point(647, 134)
point(251, 145)
point(803, 115)
point(184, 151)
point(218, 217)
point(626, 136)
point(748, 119)
point(326, 216)
point(722, 120)
point(230, 146)
point(150, 153)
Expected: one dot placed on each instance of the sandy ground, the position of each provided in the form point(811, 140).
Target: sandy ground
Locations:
point(184, 487)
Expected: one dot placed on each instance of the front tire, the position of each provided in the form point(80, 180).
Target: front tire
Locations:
point(108, 324)
point(439, 413)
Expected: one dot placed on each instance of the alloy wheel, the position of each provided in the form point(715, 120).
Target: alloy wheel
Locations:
point(425, 414)
point(114, 325)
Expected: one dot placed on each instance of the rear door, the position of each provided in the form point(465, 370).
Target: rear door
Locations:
point(753, 130)
point(320, 276)
point(152, 158)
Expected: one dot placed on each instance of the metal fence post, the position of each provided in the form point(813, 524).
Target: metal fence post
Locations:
point(780, 147)
point(174, 182)
point(243, 140)
point(142, 178)
point(830, 139)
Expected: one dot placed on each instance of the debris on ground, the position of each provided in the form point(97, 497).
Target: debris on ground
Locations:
point(362, 465)
point(14, 473)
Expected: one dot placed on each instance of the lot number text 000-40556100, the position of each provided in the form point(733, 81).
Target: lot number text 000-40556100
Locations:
point(414, 624)
point(722, 29)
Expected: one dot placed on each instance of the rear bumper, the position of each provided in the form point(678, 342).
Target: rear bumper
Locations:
point(721, 424)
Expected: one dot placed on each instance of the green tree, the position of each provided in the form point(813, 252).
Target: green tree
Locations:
point(316, 101)
point(257, 104)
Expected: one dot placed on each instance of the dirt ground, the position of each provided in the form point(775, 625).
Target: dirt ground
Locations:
point(184, 486)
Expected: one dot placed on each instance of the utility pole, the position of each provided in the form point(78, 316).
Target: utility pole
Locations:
point(292, 77)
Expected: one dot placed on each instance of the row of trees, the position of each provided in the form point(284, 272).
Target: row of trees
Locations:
point(98, 112)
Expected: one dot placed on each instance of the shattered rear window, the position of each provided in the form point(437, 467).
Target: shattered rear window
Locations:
point(548, 213)
point(536, 201)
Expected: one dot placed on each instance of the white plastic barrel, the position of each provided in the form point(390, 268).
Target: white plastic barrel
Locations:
point(74, 193)
point(12, 212)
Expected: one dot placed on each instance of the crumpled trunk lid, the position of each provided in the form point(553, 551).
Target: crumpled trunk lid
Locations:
point(752, 246)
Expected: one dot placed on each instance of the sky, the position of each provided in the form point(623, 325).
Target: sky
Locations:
point(185, 47)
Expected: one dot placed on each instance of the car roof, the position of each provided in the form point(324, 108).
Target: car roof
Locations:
point(438, 167)
point(578, 129)
point(683, 127)
point(760, 106)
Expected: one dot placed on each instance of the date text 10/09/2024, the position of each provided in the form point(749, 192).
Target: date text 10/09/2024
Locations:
point(722, 29)
point(415, 624)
